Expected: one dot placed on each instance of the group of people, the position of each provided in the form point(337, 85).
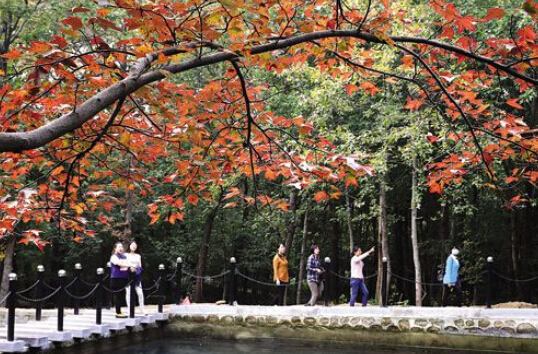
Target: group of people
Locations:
point(121, 264)
point(124, 262)
point(315, 274)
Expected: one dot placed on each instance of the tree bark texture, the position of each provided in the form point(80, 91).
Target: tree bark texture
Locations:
point(302, 257)
point(414, 235)
point(8, 267)
point(349, 211)
point(204, 251)
point(383, 238)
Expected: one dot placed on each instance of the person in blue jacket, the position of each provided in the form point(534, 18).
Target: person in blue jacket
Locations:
point(451, 282)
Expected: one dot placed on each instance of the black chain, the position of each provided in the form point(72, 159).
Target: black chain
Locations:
point(118, 290)
point(87, 283)
point(45, 298)
point(29, 288)
point(265, 283)
point(82, 297)
point(5, 298)
point(514, 280)
point(347, 278)
point(155, 284)
point(207, 277)
point(172, 276)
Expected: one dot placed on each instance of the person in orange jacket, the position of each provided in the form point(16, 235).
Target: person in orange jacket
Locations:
point(280, 273)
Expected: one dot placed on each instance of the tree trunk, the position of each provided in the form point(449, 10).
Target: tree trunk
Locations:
point(514, 243)
point(382, 238)
point(292, 222)
point(204, 250)
point(335, 252)
point(414, 235)
point(8, 267)
point(300, 277)
point(349, 211)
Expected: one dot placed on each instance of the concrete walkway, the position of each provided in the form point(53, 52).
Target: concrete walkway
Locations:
point(466, 321)
point(43, 334)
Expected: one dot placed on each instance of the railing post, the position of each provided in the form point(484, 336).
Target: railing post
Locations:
point(60, 299)
point(162, 283)
point(11, 304)
point(39, 291)
point(231, 282)
point(327, 280)
point(384, 283)
point(99, 296)
point(108, 295)
point(179, 271)
point(132, 292)
point(488, 282)
point(76, 286)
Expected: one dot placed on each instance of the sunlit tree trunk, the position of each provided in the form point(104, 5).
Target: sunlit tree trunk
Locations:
point(382, 238)
point(349, 211)
point(8, 266)
point(414, 235)
point(204, 250)
point(302, 257)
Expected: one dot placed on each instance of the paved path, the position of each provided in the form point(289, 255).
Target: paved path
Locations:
point(41, 334)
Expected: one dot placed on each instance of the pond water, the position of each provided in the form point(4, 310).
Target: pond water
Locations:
point(203, 346)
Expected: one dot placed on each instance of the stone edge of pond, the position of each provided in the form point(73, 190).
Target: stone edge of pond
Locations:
point(337, 331)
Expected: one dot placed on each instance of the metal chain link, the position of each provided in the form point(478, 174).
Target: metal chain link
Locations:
point(414, 281)
point(87, 283)
point(172, 276)
point(347, 278)
point(49, 296)
point(207, 277)
point(118, 290)
point(5, 298)
point(29, 288)
point(155, 284)
point(237, 272)
point(49, 286)
point(435, 284)
point(514, 280)
point(71, 283)
point(82, 297)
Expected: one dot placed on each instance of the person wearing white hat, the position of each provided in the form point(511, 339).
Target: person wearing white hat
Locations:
point(451, 281)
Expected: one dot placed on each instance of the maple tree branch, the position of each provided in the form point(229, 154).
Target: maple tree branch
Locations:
point(459, 109)
point(20, 141)
point(250, 119)
point(365, 15)
point(141, 110)
point(81, 154)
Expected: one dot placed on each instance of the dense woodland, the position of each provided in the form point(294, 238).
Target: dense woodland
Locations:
point(340, 141)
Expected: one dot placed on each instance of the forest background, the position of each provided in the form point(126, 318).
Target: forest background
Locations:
point(350, 153)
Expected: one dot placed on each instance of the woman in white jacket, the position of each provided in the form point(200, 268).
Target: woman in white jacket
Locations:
point(136, 260)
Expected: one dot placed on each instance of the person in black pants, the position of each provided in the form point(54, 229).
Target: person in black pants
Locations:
point(119, 275)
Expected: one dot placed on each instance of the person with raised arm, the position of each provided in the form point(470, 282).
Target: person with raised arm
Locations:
point(357, 276)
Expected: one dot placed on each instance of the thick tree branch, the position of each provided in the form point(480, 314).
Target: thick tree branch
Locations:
point(20, 141)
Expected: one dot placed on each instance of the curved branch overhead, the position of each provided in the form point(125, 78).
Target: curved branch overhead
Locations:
point(140, 77)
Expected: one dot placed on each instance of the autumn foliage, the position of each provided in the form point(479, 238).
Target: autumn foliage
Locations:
point(113, 97)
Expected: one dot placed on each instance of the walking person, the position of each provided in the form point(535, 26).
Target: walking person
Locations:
point(357, 276)
point(451, 282)
point(314, 275)
point(136, 261)
point(280, 273)
point(119, 275)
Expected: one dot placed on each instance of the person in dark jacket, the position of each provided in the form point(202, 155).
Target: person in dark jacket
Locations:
point(119, 275)
point(314, 275)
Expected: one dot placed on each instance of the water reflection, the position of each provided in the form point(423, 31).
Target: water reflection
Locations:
point(171, 346)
